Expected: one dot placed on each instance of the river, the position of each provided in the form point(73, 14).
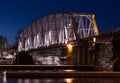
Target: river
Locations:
point(61, 80)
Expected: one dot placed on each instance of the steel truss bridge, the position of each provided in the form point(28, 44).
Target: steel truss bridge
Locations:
point(56, 29)
point(46, 39)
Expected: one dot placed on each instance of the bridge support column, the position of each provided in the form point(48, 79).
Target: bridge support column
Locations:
point(83, 53)
point(116, 52)
point(103, 56)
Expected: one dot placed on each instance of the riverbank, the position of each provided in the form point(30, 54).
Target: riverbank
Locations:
point(61, 74)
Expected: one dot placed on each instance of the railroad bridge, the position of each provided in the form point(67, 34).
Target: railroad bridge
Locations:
point(69, 38)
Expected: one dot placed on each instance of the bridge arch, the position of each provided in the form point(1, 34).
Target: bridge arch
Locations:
point(59, 28)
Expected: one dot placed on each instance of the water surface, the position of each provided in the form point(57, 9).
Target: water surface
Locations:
point(61, 80)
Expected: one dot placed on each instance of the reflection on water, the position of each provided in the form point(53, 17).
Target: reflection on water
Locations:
point(69, 80)
point(62, 80)
point(3, 79)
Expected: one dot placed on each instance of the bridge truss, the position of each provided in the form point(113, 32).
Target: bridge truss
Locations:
point(57, 29)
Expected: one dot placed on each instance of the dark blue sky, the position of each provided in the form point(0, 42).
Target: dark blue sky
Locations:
point(17, 14)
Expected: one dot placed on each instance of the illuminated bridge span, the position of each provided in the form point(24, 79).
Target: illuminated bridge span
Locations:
point(57, 29)
point(69, 39)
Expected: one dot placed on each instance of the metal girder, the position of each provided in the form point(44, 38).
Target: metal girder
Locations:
point(57, 29)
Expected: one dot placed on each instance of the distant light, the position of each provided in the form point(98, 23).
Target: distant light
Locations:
point(111, 66)
point(14, 53)
point(69, 24)
point(69, 45)
point(69, 49)
point(94, 39)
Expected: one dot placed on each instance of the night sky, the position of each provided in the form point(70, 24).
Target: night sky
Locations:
point(17, 14)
